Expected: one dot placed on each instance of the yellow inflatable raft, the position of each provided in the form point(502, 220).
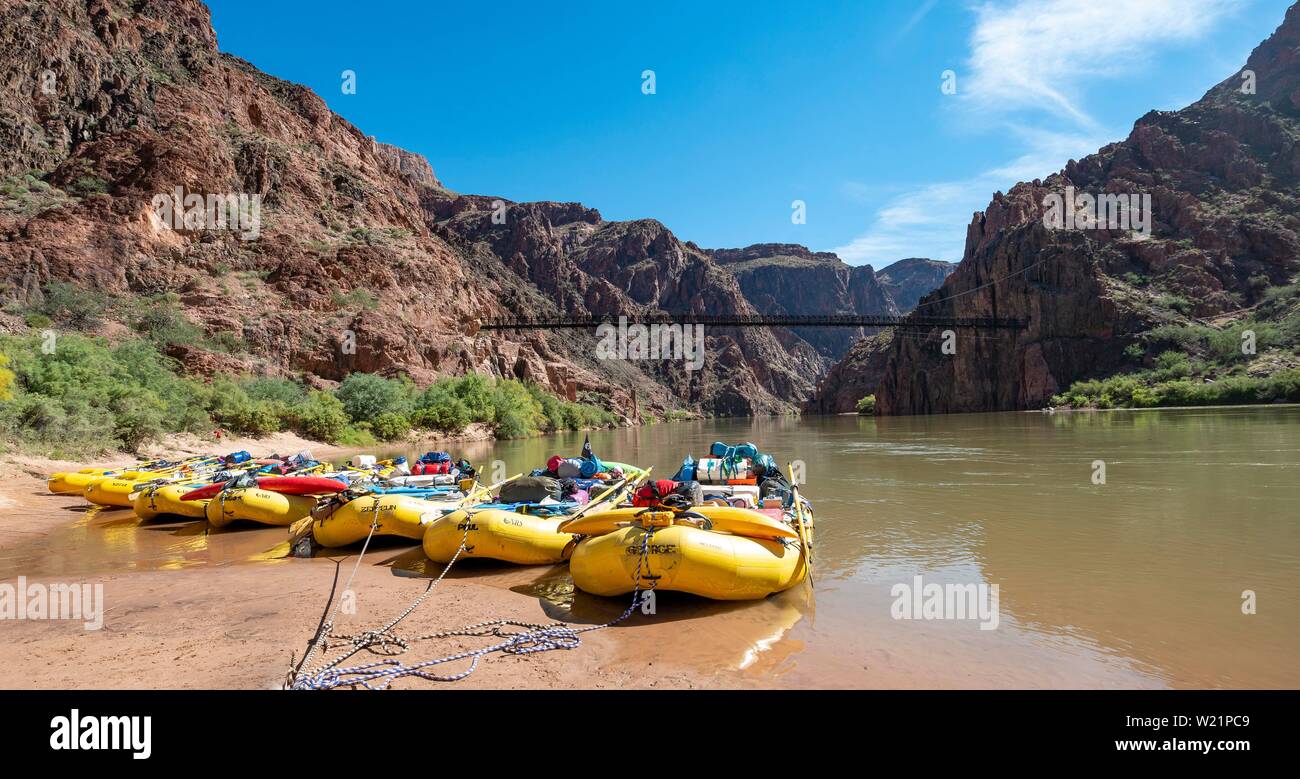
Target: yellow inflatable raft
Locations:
point(718, 552)
point(513, 536)
point(406, 516)
point(118, 489)
point(68, 483)
point(498, 534)
point(165, 500)
point(115, 492)
point(257, 505)
point(75, 483)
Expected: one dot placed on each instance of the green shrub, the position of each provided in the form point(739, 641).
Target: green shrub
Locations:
point(436, 408)
point(1138, 391)
point(583, 416)
point(390, 426)
point(321, 416)
point(235, 410)
point(358, 436)
point(138, 420)
point(476, 393)
point(1185, 337)
point(359, 298)
point(515, 412)
point(1173, 365)
point(278, 390)
point(71, 306)
point(1176, 303)
point(365, 396)
point(867, 405)
point(88, 185)
point(160, 320)
point(87, 396)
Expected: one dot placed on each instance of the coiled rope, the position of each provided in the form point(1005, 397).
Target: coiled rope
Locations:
point(378, 675)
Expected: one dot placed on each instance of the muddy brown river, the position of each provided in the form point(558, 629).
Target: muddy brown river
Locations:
point(1146, 578)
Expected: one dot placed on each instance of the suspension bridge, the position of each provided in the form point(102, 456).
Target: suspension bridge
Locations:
point(559, 321)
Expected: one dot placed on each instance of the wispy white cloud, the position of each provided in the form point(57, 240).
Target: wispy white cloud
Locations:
point(930, 220)
point(1028, 74)
point(1043, 54)
point(916, 17)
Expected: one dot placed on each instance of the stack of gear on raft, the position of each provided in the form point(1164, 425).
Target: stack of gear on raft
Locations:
point(521, 522)
point(728, 527)
point(738, 476)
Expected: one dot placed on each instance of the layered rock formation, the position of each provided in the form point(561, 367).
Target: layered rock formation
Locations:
point(109, 103)
point(1222, 175)
point(907, 281)
point(854, 377)
point(790, 279)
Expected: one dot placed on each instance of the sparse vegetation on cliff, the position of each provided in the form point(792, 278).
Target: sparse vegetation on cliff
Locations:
point(1254, 360)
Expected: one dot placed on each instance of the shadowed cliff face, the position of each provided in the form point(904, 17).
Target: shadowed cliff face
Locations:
point(108, 103)
point(790, 279)
point(1222, 175)
point(584, 265)
point(907, 281)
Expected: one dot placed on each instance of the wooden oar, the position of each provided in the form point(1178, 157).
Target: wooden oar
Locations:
point(602, 498)
point(491, 489)
point(803, 530)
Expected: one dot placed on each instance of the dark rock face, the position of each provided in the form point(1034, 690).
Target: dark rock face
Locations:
point(1222, 175)
point(907, 281)
point(584, 265)
point(854, 377)
point(790, 279)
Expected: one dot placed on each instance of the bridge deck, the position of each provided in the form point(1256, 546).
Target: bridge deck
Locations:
point(724, 320)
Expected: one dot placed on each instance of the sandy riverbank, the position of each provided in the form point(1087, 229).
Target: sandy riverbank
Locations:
point(188, 609)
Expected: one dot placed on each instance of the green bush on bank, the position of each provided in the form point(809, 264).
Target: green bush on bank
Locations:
point(89, 395)
point(1146, 390)
point(1198, 365)
point(867, 405)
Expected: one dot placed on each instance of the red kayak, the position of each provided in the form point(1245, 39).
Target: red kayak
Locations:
point(288, 485)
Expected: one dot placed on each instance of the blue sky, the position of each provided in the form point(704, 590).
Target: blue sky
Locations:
point(756, 104)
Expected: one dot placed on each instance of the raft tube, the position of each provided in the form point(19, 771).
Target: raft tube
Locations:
point(257, 505)
point(520, 534)
point(115, 492)
point(406, 516)
point(718, 552)
point(498, 534)
point(165, 500)
point(69, 483)
point(686, 559)
point(727, 519)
